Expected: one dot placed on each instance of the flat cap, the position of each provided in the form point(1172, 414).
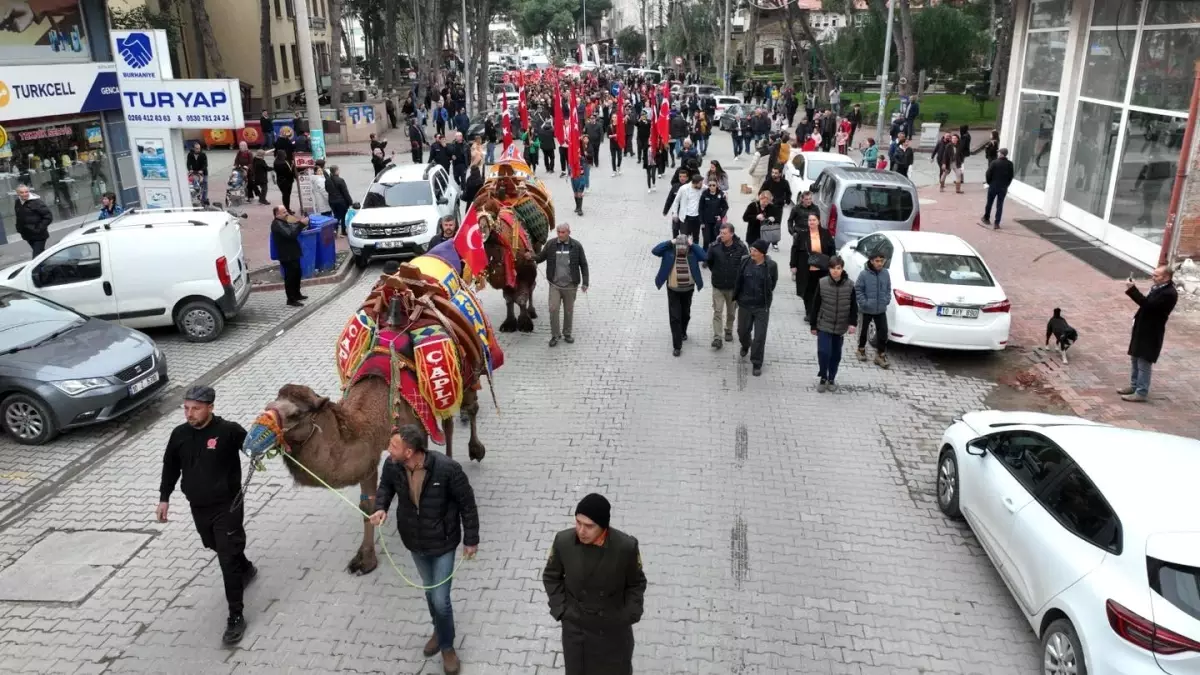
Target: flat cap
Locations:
point(200, 394)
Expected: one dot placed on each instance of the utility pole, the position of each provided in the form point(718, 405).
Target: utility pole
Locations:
point(646, 23)
point(466, 56)
point(583, 36)
point(725, 60)
point(308, 76)
point(880, 129)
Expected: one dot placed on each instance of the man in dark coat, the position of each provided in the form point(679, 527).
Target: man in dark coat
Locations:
point(33, 219)
point(1149, 328)
point(285, 236)
point(998, 177)
point(339, 196)
point(596, 586)
point(725, 257)
point(438, 152)
point(753, 290)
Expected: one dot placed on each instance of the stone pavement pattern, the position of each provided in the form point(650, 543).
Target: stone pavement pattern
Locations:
point(783, 531)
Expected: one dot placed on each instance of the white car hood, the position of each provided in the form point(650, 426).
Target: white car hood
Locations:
point(395, 214)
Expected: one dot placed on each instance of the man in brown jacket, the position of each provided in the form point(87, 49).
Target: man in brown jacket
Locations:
point(596, 586)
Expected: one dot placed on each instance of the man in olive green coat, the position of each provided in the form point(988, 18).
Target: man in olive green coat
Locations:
point(595, 584)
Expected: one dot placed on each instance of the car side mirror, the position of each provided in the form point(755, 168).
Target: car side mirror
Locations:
point(443, 200)
point(356, 206)
point(853, 245)
point(977, 447)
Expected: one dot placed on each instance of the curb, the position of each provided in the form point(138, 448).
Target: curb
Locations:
point(335, 278)
point(167, 403)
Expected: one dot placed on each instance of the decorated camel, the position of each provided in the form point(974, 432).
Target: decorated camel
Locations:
point(415, 352)
point(516, 207)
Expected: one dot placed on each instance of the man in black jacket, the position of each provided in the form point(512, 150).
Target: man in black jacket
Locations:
point(435, 510)
point(197, 163)
point(33, 219)
point(567, 272)
point(777, 185)
point(546, 138)
point(1149, 329)
point(416, 140)
point(643, 137)
point(438, 152)
point(998, 177)
point(753, 290)
point(285, 237)
point(596, 590)
point(205, 451)
point(458, 153)
point(339, 196)
point(798, 219)
point(725, 257)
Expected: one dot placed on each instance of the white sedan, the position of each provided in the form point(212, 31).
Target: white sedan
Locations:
point(804, 167)
point(943, 294)
point(1093, 529)
point(724, 102)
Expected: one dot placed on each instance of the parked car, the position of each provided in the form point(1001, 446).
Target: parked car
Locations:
point(61, 369)
point(855, 202)
point(702, 90)
point(732, 114)
point(1092, 528)
point(723, 103)
point(400, 211)
point(944, 295)
point(145, 268)
point(494, 114)
point(506, 89)
point(804, 167)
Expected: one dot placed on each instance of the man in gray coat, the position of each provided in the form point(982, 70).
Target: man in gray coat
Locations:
point(873, 291)
point(567, 272)
point(834, 312)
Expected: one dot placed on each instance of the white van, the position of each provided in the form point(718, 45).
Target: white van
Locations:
point(145, 268)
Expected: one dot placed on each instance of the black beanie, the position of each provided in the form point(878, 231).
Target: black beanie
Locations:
point(595, 507)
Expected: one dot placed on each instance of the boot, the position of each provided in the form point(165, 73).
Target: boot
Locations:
point(958, 187)
point(941, 186)
point(881, 360)
point(235, 628)
point(431, 647)
point(861, 354)
point(450, 662)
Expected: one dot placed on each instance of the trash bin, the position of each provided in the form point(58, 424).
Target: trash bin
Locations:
point(309, 242)
point(326, 241)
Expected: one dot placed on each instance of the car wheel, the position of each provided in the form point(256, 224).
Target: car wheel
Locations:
point(200, 321)
point(947, 484)
point(1062, 653)
point(361, 261)
point(27, 419)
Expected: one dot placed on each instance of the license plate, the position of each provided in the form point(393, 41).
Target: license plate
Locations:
point(139, 386)
point(239, 282)
point(391, 244)
point(958, 312)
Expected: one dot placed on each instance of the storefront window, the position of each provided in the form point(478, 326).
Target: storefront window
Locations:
point(1049, 13)
point(1035, 124)
point(1147, 171)
point(1168, 12)
point(1116, 12)
point(1165, 68)
point(1106, 65)
point(64, 162)
point(1044, 56)
point(1092, 152)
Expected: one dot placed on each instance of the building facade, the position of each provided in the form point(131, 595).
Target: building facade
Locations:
point(63, 133)
point(1096, 113)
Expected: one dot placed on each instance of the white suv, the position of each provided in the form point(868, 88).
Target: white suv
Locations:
point(400, 211)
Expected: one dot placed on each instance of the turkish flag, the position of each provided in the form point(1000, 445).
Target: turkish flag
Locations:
point(468, 243)
point(556, 103)
point(663, 122)
point(506, 122)
point(653, 127)
point(620, 117)
point(522, 108)
point(574, 150)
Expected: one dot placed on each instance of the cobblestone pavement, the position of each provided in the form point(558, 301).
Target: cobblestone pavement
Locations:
point(783, 531)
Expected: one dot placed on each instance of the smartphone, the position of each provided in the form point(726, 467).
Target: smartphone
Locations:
point(1130, 277)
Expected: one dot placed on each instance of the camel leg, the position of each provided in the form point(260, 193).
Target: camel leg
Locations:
point(448, 430)
point(365, 562)
point(475, 447)
point(525, 321)
point(510, 320)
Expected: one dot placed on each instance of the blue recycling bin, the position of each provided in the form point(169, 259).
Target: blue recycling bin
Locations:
point(326, 240)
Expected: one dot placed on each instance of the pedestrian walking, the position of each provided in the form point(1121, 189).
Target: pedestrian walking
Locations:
point(390, 107)
point(459, 157)
point(435, 511)
point(781, 191)
point(835, 309)
point(447, 228)
point(547, 142)
point(285, 237)
point(197, 163)
point(904, 157)
point(812, 248)
point(567, 272)
point(267, 125)
point(998, 177)
point(33, 219)
point(596, 588)
point(714, 209)
point(725, 257)
point(649, 159)
point(680, 271)
point(285, 178)
point(685, 209)
point(416, 140)
point(753, 291)
point(870, 154)
point(759, 212)
point(260, 173)
point(1149, 330)
point(205, 452)
point(954, 159)
point(320, 196)
point(873, 292)
point(339, 196)
point(643, 137)
point(379, 162)
point(798, 219)
point(615, 138)
point(579, 186)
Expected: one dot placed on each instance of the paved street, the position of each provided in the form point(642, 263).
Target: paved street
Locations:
point(783, 531)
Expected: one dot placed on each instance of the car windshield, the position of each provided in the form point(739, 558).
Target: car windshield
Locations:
point(944, 268)
point(816, 166)
point(876, 202)
point(409, 193)
point(28, 320)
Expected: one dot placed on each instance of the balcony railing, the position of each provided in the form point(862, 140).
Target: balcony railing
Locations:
point(316, 23)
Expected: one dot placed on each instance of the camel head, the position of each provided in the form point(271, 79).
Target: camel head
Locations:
point(286, 422)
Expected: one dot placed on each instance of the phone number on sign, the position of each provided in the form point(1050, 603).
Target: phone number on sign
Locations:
point(207, 118)
point(138, 117)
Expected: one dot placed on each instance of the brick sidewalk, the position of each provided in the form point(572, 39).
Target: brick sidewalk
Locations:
point(1093, 303)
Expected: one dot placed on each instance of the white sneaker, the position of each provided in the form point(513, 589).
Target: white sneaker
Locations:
point(649, 190)
point(614, 174)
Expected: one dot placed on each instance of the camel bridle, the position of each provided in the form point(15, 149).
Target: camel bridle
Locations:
point(306, 415)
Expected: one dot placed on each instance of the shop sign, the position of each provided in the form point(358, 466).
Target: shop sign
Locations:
point(44, 31)
point(139, 55)
point(61, 89)
point(44, 132)
point(183, 104)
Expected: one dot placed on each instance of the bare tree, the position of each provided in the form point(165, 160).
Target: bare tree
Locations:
point(335, 57)
point(212, 50)
point(388, 81)
point(749, 46)
point(266, 52)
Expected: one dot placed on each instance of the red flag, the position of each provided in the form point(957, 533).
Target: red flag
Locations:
point(663, 122)
point(556, 95)
point(620, 117)
point(522, 108)
point(653, 126)
point(573, 139)
point(469, 245)
point(505, 122)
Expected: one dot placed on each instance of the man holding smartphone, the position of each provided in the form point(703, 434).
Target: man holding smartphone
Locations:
point(1149, 329)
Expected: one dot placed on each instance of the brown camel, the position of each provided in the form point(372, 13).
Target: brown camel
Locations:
point(342, 442)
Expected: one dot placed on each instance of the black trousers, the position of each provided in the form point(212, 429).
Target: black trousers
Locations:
point(679, 307)
point(709, 233)
point(222, 530)
point(752, 331)
point(691, 227)
point(594, 154)
point(562, 159)
point(597, 649)
point(37, 246)
point(810, 289)
point(642, 149)
point(881, 331)
point(291, 279)
point(416, 154)
point(548, 156)
point(260, 191)
point(285, 195)
point(339, 212)
point(651, 175)
point(614, 151)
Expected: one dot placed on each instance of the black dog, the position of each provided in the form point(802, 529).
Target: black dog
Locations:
point(1063, 334)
